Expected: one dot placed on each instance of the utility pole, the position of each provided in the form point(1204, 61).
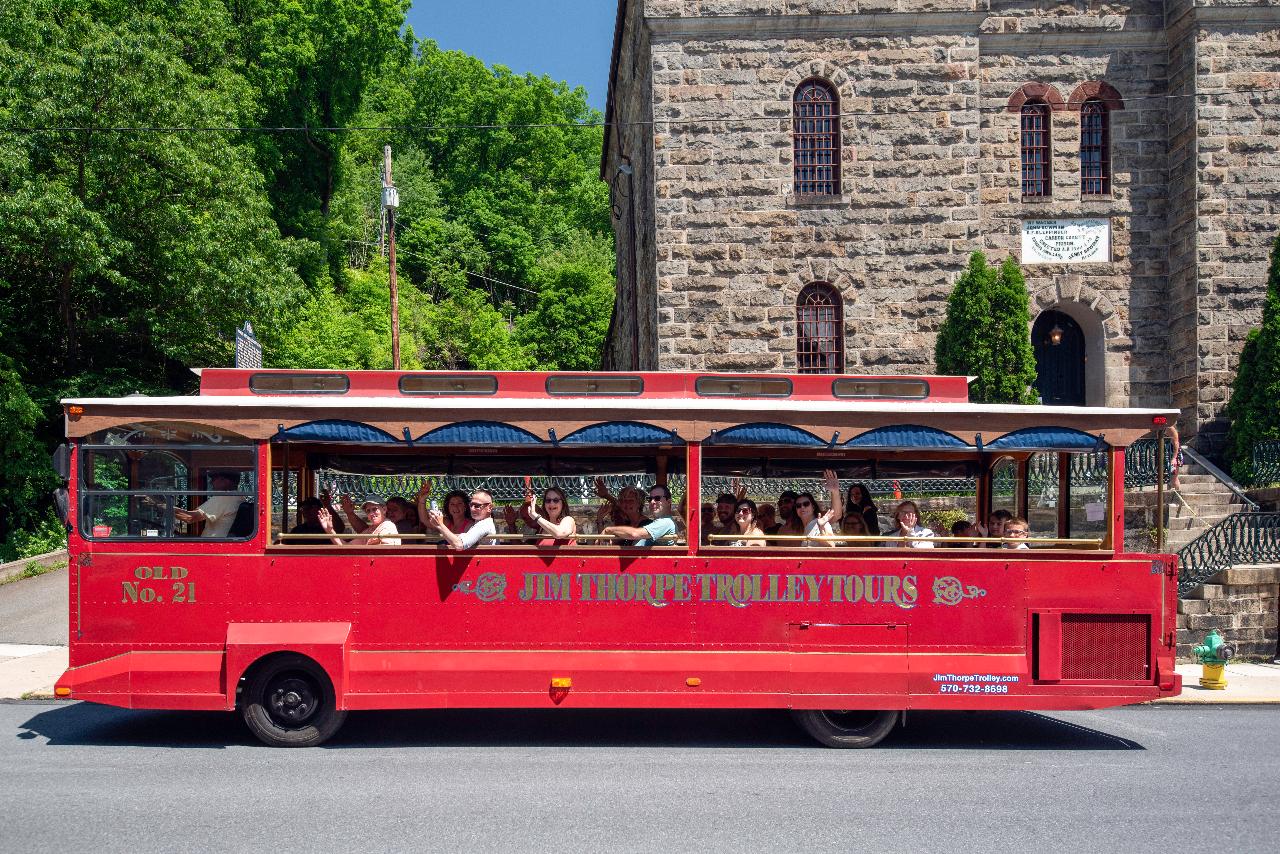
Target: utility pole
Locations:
point(390, 202)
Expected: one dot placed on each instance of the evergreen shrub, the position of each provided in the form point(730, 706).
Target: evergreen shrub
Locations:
point(986, 333)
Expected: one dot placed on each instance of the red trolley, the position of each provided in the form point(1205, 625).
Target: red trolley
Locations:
point(297, 631)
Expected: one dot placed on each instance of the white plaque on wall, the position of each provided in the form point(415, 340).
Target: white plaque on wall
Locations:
point(1066, 241)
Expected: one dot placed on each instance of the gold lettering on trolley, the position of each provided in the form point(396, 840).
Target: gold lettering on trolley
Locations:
point(142, 591)
point(659, 590)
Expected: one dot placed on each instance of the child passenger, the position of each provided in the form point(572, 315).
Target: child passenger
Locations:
point(906, 520)
point(1016, 527)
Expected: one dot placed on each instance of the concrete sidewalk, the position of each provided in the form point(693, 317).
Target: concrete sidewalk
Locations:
point(30, 669)
point(1246, 683)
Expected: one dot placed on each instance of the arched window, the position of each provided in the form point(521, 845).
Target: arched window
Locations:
point(1037, 174)
point(816, 139)
point(1095, 160)
point(819, 330)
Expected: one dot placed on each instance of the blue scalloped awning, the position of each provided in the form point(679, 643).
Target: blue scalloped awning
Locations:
point(622, 433)
point(910, 436)
point(478, 433)
point(1047, 439)
point(766, 434)
point(335, 431)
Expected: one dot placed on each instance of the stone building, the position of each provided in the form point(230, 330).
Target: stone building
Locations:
point(797, 184)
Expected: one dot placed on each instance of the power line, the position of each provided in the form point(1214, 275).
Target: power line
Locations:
point(417, 257)
point(667, 122)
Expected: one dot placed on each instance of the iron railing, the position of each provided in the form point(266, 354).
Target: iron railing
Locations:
point(1266, 463)
point(1085, 470)
point(1241, 538)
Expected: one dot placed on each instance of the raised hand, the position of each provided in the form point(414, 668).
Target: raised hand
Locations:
point(326, 520)
point(602, 490)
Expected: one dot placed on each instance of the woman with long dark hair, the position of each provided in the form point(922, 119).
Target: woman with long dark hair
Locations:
point(857, 499)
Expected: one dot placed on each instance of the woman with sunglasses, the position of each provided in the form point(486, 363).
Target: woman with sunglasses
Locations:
point(552, 517)
point(745, 525)
point(906, 520)
point(816, 521)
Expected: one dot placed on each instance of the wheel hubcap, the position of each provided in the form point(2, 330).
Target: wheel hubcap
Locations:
point(292, 699)
point(851, 721)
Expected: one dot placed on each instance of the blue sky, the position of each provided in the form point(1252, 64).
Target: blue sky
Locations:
point(564, 39)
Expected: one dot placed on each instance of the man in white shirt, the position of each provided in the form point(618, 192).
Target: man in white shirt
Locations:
point(218, 511)
point(482, 531)
point(661, 531)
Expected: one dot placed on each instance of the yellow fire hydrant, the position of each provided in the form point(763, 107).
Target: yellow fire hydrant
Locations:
point(1214, 654)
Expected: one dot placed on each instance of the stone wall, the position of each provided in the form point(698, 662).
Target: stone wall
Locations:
point(629, 144)
point(930, 168)
point(1238, 210)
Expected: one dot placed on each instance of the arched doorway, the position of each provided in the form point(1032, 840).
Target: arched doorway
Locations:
point(1060, 357)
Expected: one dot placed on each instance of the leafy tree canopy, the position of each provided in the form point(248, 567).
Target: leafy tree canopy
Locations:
point(170, 169)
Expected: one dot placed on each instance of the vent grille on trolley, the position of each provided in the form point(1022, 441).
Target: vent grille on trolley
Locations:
point(1105, 646)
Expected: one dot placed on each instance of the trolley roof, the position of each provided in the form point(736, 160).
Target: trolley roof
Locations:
point(552, 407)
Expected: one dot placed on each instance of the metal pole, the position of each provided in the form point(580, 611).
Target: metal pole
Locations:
point(391, 257)
point(1160, 508)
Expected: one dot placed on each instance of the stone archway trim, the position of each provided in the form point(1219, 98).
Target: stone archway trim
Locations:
point(824, 70)
point(1057, 295)
point(1036, 92)
point(1100, 89)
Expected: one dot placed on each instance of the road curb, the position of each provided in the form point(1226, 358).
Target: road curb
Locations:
point(17, 567)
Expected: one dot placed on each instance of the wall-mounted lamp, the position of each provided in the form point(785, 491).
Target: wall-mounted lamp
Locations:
point(1055, 335)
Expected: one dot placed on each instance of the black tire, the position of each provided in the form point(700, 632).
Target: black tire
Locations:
point(288, 701)
point(846, 728)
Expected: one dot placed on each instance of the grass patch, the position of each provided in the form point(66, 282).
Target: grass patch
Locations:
point(33, 569)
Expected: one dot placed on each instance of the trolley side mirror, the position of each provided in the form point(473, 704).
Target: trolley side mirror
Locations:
point(62, 504)
point(62, 461)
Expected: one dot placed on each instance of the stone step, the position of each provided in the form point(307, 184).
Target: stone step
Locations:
point(1260, 577)
point(1204, 499)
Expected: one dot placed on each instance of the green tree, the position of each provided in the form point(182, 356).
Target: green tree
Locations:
point(986, 333)
point(26, 476)
point(1252, 411)
point(309, 63)
point(140, 251)
point(1013, 359)
point(566, 329)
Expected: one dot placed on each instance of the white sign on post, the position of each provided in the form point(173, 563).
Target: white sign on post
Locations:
point(1066, 241)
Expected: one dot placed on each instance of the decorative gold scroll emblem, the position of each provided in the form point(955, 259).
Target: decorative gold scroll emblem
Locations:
point(948, 590)
point(489, 587)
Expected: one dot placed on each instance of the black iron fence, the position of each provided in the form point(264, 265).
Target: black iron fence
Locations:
point(1266, 463)
point(1242, 538)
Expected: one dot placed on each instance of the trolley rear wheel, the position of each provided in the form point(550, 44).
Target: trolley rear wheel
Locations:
point(846, 728)
point(289, 702)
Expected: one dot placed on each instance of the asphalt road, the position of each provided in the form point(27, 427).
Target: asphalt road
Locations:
point(84, 777)
point(34, 610)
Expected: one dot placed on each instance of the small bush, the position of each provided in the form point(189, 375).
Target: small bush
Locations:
point(940, 521)
point(49, 536)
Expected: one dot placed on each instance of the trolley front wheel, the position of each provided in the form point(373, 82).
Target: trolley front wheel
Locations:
point(289, 702)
